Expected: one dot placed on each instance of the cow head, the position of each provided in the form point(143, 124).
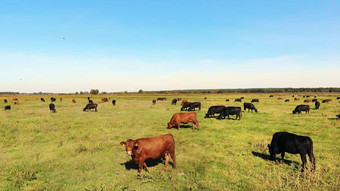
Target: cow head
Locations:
point(170, 125)
point(294, 111)
point(255, 110)
point(130, 146)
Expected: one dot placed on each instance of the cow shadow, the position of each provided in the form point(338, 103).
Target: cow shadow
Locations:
point(218, 118)
point(149, 163)
point(267, 158)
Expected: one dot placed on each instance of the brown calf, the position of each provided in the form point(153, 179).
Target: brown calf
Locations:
point(179, 118)
point(151, 148)
point(184, 101)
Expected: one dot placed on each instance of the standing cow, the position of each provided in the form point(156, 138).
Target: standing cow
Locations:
point(288, 142)
point(7, 107)
point(114, 102)
point(143, 149)
point(153, 102)
point(317, 105)
point(173, 102)
point(300, 108)
point(255, 100)
point(52, 107)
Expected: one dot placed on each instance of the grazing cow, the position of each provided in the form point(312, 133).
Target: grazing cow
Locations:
point(231, 111)
point(242, 98)
point(255, 100)
point(178, 99)
point(52, 107)
point(173, 102)
point(161, 99)
point(7, 107)
point(227, 100)
point(307, 101)
point(238, 100)
point(279, 98)
point(314, 100)
point(153, 101)
point(5, 101)
point(317, 105)
point(329, 99)
point(90, 106)
point(151, 148)
point(249, 106)
point(184, 101)
point(287, 100)
point(308, 96)
point(114, 102)
point(304, 96)
point(325, 101)
point(15, 100)
point(186, 106)
point(185, 118)
point(90, 101)
point(300, 108)
point(296, 99)
point(104, 99)
point(271, 96)
point(53, 99)
point(61, 99)
point(195, 105)
point(294, 144)
point(292, 95)
point(338, 98)
point(42, 99)
point(205, 98)
point(74, 101)
point(214, 109)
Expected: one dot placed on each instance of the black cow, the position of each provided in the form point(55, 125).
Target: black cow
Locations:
point(325, 101)
point(53, 99)
point(238, 100)
point(7, 107)
point(185, 106)
point(314, 100)
point(52, 107)
point(5, 100)
point(173, 102)
point(114, 102)
point(338, 98)
point(255, 100)
point(214, 109)
point(91, 106)
point(242, 98)
point(317, 105)
point(249, 106)
point(271, 96)
point(294, 144)
point(287, 100)
point(227, 100)
point(42, 99)
point(230, 111)
point(300, 108)
point(195, 105)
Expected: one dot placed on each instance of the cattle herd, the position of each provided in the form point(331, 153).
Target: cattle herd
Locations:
point(164, 146)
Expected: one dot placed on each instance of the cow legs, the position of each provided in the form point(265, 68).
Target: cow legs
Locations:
point(167, 158)
point(146, 168)
point(282, 156)
point(304, 161)
point(172, 154)
point(179, 125)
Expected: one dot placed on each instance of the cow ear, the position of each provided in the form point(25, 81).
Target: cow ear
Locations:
point(122, 143)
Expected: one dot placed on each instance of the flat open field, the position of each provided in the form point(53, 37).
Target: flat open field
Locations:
point(76, 150)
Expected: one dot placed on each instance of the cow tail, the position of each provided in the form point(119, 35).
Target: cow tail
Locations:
point(311, 154)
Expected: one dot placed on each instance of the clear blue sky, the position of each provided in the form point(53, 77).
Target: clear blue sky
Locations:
point(69, 46)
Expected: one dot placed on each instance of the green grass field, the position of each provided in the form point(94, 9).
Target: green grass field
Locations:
point(76, 150)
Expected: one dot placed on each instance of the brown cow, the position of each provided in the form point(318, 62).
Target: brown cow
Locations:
point(184, 101)
point(15, 100)
point(179, 118)
point(151, 148)
point(104, 99)
point(279, 98)
point(153, 101)
point(329, 99)
point(296, 99)
point(74, 101)
point(61, 99)
point(308, 101)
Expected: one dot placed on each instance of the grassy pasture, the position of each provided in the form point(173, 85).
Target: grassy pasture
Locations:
point(76, 150)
